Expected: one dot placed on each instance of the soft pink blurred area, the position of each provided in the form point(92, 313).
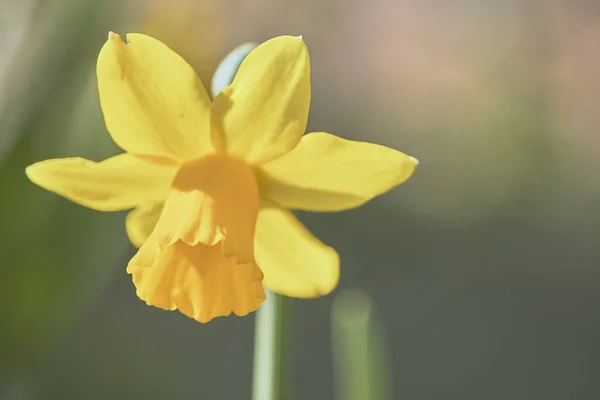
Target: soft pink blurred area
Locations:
point(463, 86)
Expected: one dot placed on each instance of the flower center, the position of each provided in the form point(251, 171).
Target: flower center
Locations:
point(213, 199)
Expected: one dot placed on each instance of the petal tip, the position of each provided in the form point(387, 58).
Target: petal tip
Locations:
point(113, 36)
point(334, 279)
point(32, 172)
point(128, 38)
point(414, 160)
point(29, 170)
point(117, 39)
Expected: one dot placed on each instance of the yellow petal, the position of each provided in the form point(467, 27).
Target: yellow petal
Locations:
point(213, 199)
point(264, 112)
point(140, 222)
point(117, 183)
point(294, 262)
point(197, 280)
point(328, 173)
point(153, 101)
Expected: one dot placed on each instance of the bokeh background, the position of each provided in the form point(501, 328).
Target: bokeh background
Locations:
point(483, 269)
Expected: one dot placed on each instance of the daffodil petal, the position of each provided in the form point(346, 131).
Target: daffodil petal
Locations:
point(328, 173)
point(141, 221)
point(213, 199)
point(197, 280)
point(153, 101)
point(264, 112)
point(117, 183)
point(293, 261)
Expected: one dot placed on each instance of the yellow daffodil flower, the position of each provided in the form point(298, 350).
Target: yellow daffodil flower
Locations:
point(210, 183)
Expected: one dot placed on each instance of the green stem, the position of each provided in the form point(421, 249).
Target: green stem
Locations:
point(270, 349)
point(270, 344)
point(360, 355)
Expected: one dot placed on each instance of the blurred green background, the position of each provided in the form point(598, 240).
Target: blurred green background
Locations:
point(484, 268)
